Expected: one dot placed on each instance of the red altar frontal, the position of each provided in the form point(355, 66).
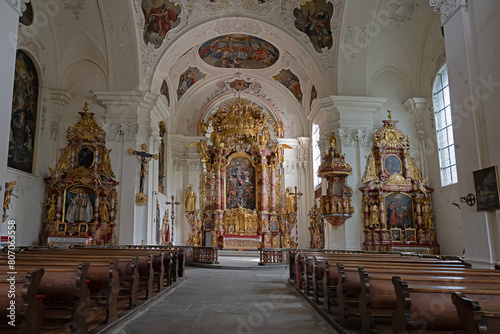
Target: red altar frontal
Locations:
point(241, 241)
point(241, 186)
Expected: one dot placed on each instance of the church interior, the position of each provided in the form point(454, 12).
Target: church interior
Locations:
point(350, 125)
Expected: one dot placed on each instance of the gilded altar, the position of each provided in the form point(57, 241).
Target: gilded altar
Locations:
point(397, 209)
point(81, 189)
point(240, 188)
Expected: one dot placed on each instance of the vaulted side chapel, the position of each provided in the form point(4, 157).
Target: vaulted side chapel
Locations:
point(247, 124)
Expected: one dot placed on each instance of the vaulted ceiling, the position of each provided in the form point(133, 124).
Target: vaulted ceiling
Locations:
point(197, 54)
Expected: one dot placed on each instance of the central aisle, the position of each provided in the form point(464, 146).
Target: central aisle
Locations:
point(229, 301)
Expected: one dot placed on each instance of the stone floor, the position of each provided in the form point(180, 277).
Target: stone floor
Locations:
point(251, 301)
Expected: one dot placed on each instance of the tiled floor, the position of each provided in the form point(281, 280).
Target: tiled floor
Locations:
point(253, 301)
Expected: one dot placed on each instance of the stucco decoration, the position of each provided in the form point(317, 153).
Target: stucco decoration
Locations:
point(238, 51)
point(401, 10)
point(447, 7)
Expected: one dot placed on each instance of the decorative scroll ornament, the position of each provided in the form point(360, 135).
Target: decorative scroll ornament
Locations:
point(371, 169)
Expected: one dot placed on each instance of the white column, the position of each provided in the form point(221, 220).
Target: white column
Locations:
point(471, 35)
point(127, 125)
point(416, 107)
point(350, 117)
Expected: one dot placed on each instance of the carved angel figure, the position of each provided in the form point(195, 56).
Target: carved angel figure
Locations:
point(374, 216)
point(202, 145)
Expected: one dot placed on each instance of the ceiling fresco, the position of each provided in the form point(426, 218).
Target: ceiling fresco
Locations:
point(160, 17)
point(291, 82)
point(313, 19)
point(238, 51)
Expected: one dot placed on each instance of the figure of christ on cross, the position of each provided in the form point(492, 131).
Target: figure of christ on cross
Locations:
point(144, 159)
point(172, 216)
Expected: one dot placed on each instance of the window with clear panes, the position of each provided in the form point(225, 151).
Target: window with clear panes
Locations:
point(444, 128)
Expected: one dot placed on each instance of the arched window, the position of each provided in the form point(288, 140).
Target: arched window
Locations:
point(316, 154)
point(444, 129)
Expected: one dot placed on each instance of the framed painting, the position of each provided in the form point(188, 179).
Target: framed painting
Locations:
point(392, 164)
point(61, 228)
point(396, 235)
point(486, 185)
point(208, 224)
point(83, 228)
point(410, 235)
point(399, 210)
point(24, 114)
point(240, 183)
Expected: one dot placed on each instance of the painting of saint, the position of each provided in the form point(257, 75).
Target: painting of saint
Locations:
point(240, 184)
point(399, 211)
point(238, 51)
point(160, 16)
point(313, 19)
point(291, 82)
point(187, 79)
point(24, 113)
point(392, 164)
point(164, 91)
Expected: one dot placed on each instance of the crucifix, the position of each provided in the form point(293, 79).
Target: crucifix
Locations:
point(296, 194)
point(144, 159)
point(172, 216)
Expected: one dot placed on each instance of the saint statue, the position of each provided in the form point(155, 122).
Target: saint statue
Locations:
point(51, 210)
point(190, 199)
point(104, 210)
point(80, 210)
point(374, 216)
point(289, 200)
point(333, 141)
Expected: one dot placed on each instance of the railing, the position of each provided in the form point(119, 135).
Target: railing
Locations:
point(273, 256)
point(206, 255)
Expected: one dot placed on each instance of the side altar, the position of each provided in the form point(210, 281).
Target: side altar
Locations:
point(241, 187)
point(81, 191)
point(396, 204)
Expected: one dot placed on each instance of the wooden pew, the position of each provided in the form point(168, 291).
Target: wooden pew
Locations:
point(430, 307)
point(28, 310)
point(66, 296)
point(468, 312)
point(354, 282)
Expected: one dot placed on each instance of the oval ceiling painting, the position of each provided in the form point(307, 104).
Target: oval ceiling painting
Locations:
point(238, 51)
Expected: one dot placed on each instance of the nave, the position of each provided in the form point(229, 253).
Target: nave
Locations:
point(242, 300)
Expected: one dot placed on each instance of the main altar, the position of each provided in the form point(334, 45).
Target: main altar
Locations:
point(241, 186)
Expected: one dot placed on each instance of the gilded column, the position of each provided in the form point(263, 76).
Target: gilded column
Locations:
point(208, 187)
point(273, 188)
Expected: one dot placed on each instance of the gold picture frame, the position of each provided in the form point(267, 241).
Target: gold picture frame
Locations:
point(396, 235)
point(61, 228)
point(411, 235)
point(83, 228)
point(392, 164)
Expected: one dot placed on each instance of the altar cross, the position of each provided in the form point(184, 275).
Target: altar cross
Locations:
point(144, 159)
point(172, 215)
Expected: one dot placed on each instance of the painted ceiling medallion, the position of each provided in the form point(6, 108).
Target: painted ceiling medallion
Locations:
point(313, 19)
point(238, 51)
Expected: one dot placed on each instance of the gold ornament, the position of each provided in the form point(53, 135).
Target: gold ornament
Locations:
point(141, 198)
point(371, 169)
